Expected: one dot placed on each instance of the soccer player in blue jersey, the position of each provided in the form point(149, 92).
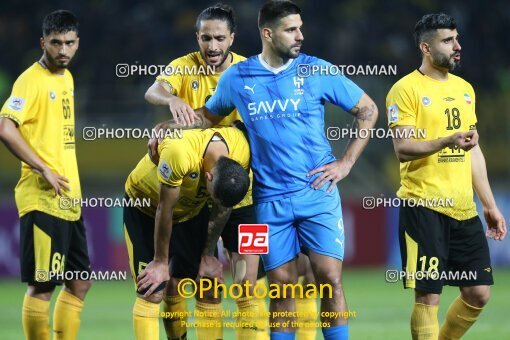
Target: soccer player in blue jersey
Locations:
point(281, 100)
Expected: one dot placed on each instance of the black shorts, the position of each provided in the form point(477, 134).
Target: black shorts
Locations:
point(185, 249)
point(50, 245)
point(457, 251)
point(230, 234)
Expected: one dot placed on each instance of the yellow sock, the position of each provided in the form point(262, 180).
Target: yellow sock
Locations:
point(459, 318)
point(66, 316)
point(263, 320)
point(146, 320)
point(424, 325)
point(308, 309)
point(175, 307)
point(35, 315)
point(208, 318)
point(248, 315)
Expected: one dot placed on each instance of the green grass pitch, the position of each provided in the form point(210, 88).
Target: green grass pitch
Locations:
point(382, 309)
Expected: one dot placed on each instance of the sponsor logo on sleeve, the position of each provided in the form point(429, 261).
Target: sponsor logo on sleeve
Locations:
point(16, 103)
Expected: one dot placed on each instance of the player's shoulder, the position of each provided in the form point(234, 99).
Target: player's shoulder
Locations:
point(190, 59)
point(408, 82)
point(236, 58)
point(461, 82)
point(35, 73)
point(304, 58)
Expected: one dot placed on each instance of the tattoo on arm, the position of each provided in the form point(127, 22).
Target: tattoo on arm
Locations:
point(364, 112)
point(217, 221)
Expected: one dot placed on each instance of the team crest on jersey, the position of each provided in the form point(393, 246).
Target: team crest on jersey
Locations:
point(16, 103)
point(52, 95)
point(164, 170)
point(194, 85)
point(393, 113)
point(467, 97)
point(298, 83)
point(425, 101)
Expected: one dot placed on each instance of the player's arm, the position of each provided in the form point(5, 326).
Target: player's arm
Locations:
point(13, 140)
point(496, 225)
point(209, 265)
point(408, 149)
point(365, 113)
point(160, 93)
point(156, 271)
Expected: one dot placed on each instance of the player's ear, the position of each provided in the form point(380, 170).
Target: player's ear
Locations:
point(77, 43)
point(208, 176)
point(198, 37)
point(424, 48)
point(41, 41)
point(232, 35)
point(267, 33)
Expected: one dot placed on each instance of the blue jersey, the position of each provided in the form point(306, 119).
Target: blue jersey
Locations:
point(284, 116)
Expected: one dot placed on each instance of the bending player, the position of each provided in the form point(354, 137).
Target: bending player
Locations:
point(447, 164)
point(37, 126)
point(203, 164)
point(183, 91)
point(295, 173)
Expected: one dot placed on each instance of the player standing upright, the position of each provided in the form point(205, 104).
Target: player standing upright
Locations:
point(37, 126)
point(295, 173)
point(183, 91)
point(448, 163)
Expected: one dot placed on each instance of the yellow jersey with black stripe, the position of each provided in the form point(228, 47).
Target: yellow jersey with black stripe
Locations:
point(42, 105)
point(192, 80)
point(180, 165)
point(436, 109)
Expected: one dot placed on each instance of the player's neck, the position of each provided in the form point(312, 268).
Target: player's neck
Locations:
point(56, 70)
point(436, 73)
point(272, 59)
point(214, 151)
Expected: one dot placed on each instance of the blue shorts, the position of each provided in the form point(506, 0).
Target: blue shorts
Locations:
point(311, 219)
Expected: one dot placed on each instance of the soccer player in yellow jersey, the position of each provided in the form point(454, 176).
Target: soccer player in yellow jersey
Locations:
point(37, 126)
point(184, 91)
point(203, 164)
point(446, 243)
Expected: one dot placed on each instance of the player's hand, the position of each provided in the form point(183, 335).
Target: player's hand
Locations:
point(332, 172)
point(182, 112)
point(153, 275)
point(153, 143)
point(210, 267)
point(465, 140)
point(496, 225)
point(59, 183)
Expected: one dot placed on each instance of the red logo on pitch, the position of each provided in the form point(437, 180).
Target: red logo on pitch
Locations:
point(253, 239)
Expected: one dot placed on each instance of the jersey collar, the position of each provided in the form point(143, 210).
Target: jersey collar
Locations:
point(272, 69)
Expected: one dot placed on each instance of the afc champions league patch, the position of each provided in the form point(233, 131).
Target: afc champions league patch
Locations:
point(393, 113)
point(164, 170)
point(16, 103)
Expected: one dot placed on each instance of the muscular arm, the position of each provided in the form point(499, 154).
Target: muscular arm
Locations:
point(409, 149)
point(156, 271)
point(218, 218)
point(495, 221)
point(365, 112)
point(13, 140)
point(159, 94)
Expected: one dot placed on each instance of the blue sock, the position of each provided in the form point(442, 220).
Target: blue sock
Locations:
point(282, 336)
point(340, 332)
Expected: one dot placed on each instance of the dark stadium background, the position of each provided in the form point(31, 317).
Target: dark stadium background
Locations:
point(351, 32)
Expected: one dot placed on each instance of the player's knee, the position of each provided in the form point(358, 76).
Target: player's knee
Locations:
point(155, 297)
point(427, 298)
point(476, 296)
point(78, 288)
point(41, 290)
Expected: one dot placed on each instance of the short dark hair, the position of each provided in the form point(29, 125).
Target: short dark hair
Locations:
point(60, 21)
point(231, 182)
point(429, 23)
point(273, 11)
point(219, 11)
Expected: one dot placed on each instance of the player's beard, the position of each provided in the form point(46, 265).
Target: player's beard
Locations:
point(287, 52)
point(444, 61)
point(55, 63)
point(224, 55)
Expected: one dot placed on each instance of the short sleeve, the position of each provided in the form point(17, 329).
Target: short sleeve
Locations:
point(172, 81)
point(20, 106)
point(338, 89)
point(221, 104)
point(174, 164)
point(400, 106)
